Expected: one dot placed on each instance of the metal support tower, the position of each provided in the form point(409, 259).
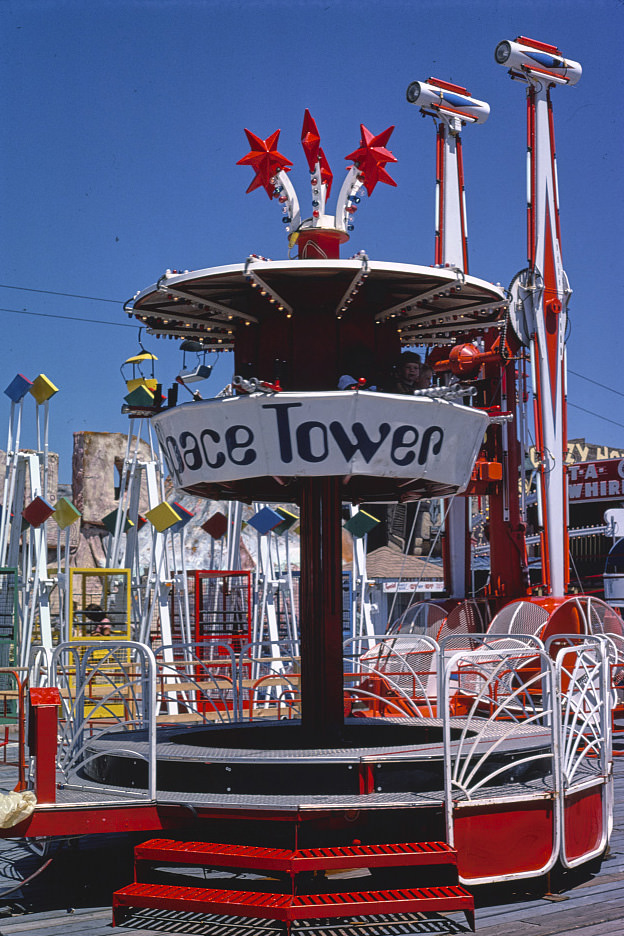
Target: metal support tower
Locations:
point(166, 556)
point(27, 550)
point(452, 108)
point(541, 293)
point(361, 617)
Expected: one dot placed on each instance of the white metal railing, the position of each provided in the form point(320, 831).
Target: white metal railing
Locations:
point(107, 690)
point(493, 700)
point(583, 673)
point(497, 695)
point(454, 643)
point(269, 682)
point(511, 711)
point(398, 673)
point(39, 665)
point(197, 682)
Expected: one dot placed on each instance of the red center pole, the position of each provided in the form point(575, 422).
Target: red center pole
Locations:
point(320, 603)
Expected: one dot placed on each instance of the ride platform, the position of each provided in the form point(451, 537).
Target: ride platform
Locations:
point(589, 901)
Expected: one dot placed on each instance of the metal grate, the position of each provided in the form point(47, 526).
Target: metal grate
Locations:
point(221, 855)
point(519, 617)
point(406, 661)
point(465, 618)
point(223, 606)
point(8, 619)
point(420, 618)
point(8, 580)
point(603, 619)
point(269, 905)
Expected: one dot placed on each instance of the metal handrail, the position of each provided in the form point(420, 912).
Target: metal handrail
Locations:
point(20, 717)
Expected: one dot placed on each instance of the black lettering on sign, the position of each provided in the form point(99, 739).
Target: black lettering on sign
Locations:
point(192, 454)
point(312, 441)
point(426, 440)
point(305, 441)
point(216, 438)
point(283, 428)
point(176, 465)
point(404, 437)
point(240, 437)
point(363, 442)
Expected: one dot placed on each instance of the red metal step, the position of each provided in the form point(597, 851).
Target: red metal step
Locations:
point(306, 859)
point(286, 909)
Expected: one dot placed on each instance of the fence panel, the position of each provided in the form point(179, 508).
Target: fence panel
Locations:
point(108, 690)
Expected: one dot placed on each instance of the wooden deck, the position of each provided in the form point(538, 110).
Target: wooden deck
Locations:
point(71, 883)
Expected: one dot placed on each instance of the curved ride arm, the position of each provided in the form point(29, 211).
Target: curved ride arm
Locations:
point(351, 187)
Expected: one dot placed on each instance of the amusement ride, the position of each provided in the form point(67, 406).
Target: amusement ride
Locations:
point(309, 776)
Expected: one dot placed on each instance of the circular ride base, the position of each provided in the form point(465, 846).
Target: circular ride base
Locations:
point(281, 763)
point(273, 785)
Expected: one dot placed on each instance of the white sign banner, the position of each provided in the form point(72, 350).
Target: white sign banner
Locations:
point(433, 585)
point(320, 434)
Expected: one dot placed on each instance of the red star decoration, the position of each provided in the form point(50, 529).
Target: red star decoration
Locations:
point(327, 176)
point(311, 140)
point(265, 160)
point(372, 156)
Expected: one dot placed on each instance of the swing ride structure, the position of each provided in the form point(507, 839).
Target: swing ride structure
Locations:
point(408, 761)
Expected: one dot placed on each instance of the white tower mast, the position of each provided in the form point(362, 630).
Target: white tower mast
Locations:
point(452, 108)
point(541, 293)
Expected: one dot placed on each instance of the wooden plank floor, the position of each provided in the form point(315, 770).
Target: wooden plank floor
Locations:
point(71, 883)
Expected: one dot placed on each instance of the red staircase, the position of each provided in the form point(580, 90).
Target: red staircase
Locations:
point(303, 897)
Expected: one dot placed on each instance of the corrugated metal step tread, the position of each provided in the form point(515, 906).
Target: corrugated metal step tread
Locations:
point(287, 908)
point(220, 855)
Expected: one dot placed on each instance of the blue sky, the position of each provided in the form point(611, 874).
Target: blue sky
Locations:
point(122, 123)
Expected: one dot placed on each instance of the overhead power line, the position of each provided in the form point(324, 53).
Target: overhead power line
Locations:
point(597, 415)
point(119, 302)
point(596, 382)
point(51, 292)
point(70, 318)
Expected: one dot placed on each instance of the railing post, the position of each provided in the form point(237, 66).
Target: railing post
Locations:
point(22, 765)
point(43, 740)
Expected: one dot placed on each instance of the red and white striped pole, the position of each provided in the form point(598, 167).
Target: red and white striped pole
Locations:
point(452, 107)
point(542, 294)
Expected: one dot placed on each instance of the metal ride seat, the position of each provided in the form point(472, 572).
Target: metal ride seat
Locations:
point(519, 617)
point(464, 618)
point(578, 615)
point(398, 677)
point(499, 675)
point(605, 620)
point(538, 620)
point(400, 671)
point(423, 617)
